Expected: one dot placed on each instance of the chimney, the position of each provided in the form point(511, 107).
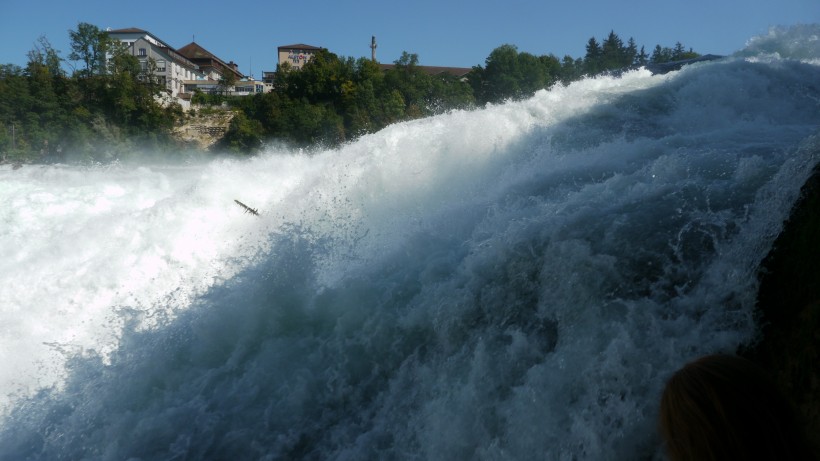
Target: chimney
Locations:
point(373, 48)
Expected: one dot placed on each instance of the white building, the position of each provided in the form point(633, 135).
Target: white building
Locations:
point(172, 68)
point(185, 70)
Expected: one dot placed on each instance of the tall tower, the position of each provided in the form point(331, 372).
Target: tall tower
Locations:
point(373, 48)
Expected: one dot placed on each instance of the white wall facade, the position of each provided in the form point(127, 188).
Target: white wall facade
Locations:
point(172, 69)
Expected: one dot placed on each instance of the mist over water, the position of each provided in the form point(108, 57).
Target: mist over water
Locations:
point(515, 282)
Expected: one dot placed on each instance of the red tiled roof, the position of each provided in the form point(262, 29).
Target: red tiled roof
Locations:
point(195, 52)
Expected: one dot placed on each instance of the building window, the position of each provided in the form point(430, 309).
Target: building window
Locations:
point(143, 52)
point(161, 65)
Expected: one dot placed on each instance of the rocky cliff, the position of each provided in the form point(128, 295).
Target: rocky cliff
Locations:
point(204, 127)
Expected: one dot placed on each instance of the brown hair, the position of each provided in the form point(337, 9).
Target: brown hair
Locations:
point(724, 407)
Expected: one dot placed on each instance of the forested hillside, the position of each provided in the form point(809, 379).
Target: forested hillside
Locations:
point(108, 106)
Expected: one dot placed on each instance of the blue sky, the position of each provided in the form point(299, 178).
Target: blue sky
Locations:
point(442, 32)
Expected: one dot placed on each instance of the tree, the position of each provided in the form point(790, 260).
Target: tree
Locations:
point(449, 92)
point(512, 75)
point(613, 53)
point(122, 91)
point(592, 59)
point(642, 58)
point(90, 45)
point(103, 107)
point(499, 79)
point(678, 52)
point(412, 82)
point(552, 66)
point(44, 55)
point(243, 135)
point(227, 81)
point(660, 55)
point(148, 76)
point(571, 69)
point(43, 106)
point(631, 56)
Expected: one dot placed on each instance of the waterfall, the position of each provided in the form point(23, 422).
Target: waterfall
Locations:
point(512, 282)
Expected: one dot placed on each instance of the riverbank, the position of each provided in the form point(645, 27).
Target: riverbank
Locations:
point(194, 134)
point(789, 309)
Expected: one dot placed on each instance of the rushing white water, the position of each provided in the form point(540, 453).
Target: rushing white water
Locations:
point(514, 282)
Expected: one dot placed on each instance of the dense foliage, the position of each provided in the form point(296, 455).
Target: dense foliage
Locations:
point(106, 108)
point(509, 74)
point(333, 99)
point(109, 105)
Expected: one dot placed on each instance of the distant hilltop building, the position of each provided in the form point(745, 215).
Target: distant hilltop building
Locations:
point(172, 69)
point(296, 55)
point(185, 70)
point(293, 57)
point(213, 67)
point(193, 68)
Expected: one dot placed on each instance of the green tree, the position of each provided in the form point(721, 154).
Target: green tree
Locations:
point(43, 107)
point(533, 74)
point(89, 45)
point(571, 69)
point(103, 107)
point(449, 92)
point(243, 136)
point(122, 93)
point(512, 75)
point(44, 55)
point(14, 102)
point(631, 55)
point(498, 79)
point(660, 55)
point(642, 58)
point(412, 82)
point(227, 82)
point(685, 54)
point(678, 52)
point(613, 53)
point(593, 57)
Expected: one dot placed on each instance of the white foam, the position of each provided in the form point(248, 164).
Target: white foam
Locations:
point(479, 285)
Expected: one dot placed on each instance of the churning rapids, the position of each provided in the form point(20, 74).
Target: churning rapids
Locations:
point(514, 282)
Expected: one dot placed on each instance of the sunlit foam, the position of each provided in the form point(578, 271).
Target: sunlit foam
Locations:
point(488, 284)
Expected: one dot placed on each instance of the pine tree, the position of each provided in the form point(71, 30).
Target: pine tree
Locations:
point(612, 53)
point(678, 52)
point(592, 59)
point(631, 56)
point(642, 59)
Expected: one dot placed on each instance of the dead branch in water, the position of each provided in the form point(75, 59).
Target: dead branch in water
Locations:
point(247, 209)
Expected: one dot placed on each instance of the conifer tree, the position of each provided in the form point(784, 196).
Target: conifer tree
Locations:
point(592, 59)
point(631, 55)
point(612, 53)
point(642, 58)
